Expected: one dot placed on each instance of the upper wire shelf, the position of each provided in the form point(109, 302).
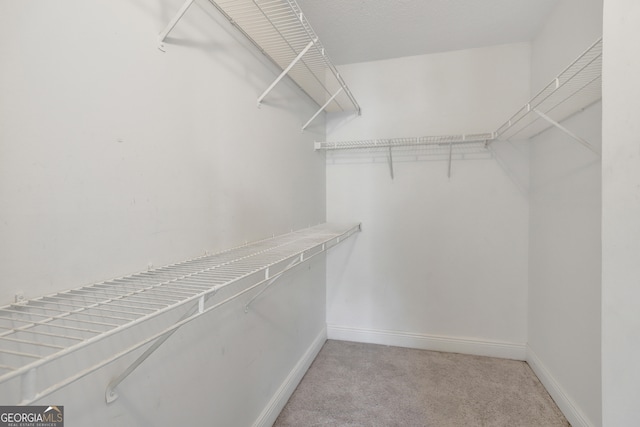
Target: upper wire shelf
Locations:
point(39, 332)
point(576, 87)
point(280, 30)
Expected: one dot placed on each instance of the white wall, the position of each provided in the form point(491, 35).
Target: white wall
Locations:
point(568, 31)
point(114, 155)
point(620, 216)
point(564, 234)
point(441, 263)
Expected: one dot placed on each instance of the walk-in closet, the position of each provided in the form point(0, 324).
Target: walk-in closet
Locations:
point(201, 201)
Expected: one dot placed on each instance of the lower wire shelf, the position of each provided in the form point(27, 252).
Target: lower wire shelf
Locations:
point(38, 334)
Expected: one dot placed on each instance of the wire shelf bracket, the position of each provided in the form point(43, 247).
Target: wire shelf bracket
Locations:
point(163, 35)
point(577, 87)
point(448, 141)
point(40, 335)
point(443, 140)
point(110, 394)
point(280, 30)
point(566, 131)
point(273, 279)
point(322, 108)
point(286, 71)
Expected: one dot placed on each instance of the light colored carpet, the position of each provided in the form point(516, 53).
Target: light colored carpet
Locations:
point(353, 384)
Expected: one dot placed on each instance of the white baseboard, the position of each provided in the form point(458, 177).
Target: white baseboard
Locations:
point(568, 407)
point(286, 389)
point(504, 350)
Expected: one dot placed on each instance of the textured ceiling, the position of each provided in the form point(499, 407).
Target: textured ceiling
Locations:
point(367, 30)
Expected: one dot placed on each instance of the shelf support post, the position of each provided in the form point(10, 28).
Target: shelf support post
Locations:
point(163, 35)
point(565, 130)
point(286, 70)
point(322, 108)
point(390, 158)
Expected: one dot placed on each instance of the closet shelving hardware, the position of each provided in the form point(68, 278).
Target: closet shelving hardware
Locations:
point(423, 141)
point(280, 30)
point(39, 337)
point(575, 88)
point(404, 142)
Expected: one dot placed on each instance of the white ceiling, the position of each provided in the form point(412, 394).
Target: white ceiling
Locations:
point(367, 30)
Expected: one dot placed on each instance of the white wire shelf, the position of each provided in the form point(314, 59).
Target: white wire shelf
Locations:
point(279, 29)
point(444, 140)
point(576, 87)
point(38, 332)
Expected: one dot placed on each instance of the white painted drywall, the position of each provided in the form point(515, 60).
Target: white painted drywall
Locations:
point(439, 260)
point(565, 213)
point(114, 155)
point(620, 215)
point(570, 29)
